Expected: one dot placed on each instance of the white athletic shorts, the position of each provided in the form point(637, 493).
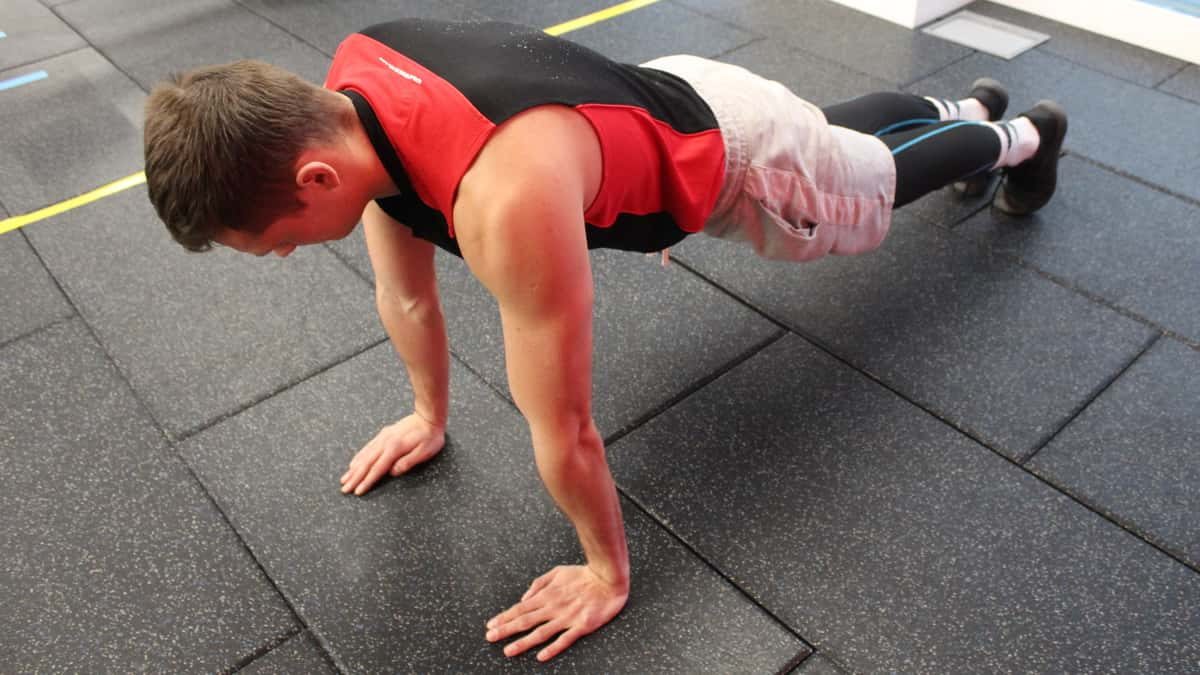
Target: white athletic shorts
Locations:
point(795, 187)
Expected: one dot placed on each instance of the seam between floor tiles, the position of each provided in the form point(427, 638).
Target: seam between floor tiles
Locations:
point(696, 386)
point(55, 55)
point(1165, 79)
point(101, 52)
point(4, 344)
point(172, 450)
point(1134, 177)
point(961, 429)
point(1190, 342)
point(718, 19)
point(792, 663)
point(238, 3)
point(1099, 391)
point(337, 361)
point(264, 650)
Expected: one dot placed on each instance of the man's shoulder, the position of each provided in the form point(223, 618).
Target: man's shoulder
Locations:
point(548, 140)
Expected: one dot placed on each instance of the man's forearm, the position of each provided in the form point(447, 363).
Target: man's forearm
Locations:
point(577, 476)
point(418, 333)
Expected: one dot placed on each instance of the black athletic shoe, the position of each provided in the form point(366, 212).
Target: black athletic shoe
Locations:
point(994, 97)
point(1029, 185)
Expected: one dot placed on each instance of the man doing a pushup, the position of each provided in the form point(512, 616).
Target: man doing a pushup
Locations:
point(518, 152)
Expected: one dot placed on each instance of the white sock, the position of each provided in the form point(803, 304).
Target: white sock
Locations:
point(964, 109)
point(1019, 140)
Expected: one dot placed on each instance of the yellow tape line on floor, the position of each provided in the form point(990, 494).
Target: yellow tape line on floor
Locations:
point(16, 222)
point(597, 17)
point(9, 224)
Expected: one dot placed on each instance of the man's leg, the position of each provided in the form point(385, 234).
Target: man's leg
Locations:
point(1028, 146)
point(890, 112)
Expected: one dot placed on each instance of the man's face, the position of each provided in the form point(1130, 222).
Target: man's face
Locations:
point(319, 221)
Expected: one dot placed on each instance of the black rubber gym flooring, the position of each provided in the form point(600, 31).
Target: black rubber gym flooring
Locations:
point(973, 450)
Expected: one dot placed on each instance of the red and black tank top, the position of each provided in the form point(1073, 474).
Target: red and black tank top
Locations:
point(430, 94)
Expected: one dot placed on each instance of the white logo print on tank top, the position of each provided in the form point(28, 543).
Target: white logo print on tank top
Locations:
point(401, 73)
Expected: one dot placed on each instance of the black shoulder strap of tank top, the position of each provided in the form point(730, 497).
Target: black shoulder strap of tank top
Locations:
point(379, 140)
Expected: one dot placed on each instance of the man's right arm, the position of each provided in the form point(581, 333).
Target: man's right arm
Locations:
point(407, 300)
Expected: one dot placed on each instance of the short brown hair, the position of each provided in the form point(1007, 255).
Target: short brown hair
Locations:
point(221, 143)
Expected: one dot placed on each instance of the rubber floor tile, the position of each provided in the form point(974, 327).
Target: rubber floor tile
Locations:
point(1113, 238)
point(893, 543)
point(854, 39)
point(114, 559)
point(202, 335)
point(997, 350)
point(657, 30)
point(1186, 84)
point(30, 299)
point(406, 576)
point(1093, 50)
point(150, 40)
point(301, 654)
point(51, 151)
point(325, 23)
point(1135, 452)
point(32, 33)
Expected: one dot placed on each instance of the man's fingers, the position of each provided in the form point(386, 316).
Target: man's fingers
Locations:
point(537, 637)
point(536, 587)
point(363, 459)
point(558, 646)
point(376, 472)
point(518, 625)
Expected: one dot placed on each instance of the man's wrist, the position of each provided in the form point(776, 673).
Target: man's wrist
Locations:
point(438, 421)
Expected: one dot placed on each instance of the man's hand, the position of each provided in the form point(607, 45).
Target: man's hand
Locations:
point(569, 598)
point(396, 449)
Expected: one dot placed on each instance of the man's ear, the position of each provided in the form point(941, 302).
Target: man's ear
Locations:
point(318, 174)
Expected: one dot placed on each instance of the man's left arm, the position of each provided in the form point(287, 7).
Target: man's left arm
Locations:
point(530, 251)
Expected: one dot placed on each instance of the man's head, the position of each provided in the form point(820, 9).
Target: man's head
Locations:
point(251, 156)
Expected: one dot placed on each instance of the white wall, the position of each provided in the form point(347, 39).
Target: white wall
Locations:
point(1138, 23)
point(907, 13)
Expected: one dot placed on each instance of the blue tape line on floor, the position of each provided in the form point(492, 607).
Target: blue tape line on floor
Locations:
point(23, 80)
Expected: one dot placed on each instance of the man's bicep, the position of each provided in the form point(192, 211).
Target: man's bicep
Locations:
point(403, 264)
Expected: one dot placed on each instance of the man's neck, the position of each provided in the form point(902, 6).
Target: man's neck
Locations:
point(365, 160)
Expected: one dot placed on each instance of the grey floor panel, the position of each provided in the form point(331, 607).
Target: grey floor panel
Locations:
point(1095, 51)
point(865, 43)
point(1135, 452)
point(817, 664)
point(201, 335)
point(991, 347)
point(1185, 83)
point(149, 39)
point(407, 576)
point(30, 299)
point(51, 151)
point(809, 77)
point(656, 331)
point(537, 13)
point(1108, 117)
point(114, 559)
point(325, 23)
point(660, 29)
point(33, 33)
point(1120, 240)
point(891, 542)
point(301, 654)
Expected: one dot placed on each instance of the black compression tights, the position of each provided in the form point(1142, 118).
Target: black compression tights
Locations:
point(929, 154)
